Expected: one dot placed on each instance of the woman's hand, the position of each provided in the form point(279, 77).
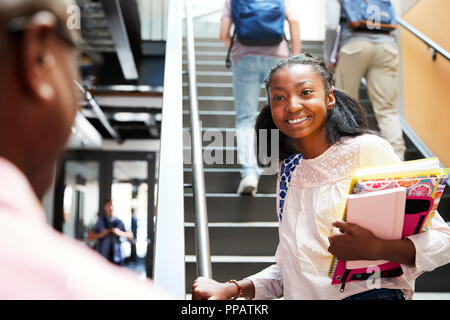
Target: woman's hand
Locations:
point(208, 289)
point(355, 243)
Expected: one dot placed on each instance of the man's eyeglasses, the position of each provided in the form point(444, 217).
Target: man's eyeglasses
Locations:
point(19, 24)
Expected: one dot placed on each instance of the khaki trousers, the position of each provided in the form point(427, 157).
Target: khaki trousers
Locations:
point(378, 63)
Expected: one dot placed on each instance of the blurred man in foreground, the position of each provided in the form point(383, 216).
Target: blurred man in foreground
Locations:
point(38, 104)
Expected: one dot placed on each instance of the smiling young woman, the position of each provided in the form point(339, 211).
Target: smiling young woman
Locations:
point(323, 139)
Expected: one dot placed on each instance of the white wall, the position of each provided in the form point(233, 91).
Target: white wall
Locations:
point(311, 14)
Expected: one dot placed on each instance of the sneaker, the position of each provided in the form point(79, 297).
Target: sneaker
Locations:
point(248, 185)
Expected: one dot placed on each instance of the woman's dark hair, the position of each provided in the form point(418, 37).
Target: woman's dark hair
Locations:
point(346, 118)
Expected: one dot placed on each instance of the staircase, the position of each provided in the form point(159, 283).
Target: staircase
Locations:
point(243, 230)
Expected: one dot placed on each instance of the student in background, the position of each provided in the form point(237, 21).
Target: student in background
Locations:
point(372, 54)
point(108, 230)
point(250, 64)
point(38, 104)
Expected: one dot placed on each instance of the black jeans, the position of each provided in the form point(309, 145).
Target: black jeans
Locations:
point(378, 294)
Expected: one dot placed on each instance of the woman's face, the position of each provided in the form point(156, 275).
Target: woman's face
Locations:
point(299, 102)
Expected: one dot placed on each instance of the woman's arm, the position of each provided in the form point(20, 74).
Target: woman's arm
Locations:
point(92, 235)
point(357, 243)
point(208, 289)
point(125, 234)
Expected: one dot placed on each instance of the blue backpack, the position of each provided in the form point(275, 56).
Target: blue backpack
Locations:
point(257, 23)
point(370, 15)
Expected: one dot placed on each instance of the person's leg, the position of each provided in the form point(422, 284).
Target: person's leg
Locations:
point(382, 87)
point(246, 89)
point(354, 58)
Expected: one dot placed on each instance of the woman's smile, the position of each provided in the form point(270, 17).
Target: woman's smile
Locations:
point(300, 120)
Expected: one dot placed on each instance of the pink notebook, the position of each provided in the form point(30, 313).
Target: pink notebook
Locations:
point(382, 212)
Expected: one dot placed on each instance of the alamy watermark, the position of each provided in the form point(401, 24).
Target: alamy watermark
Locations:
point(374, 281)
point(241, 146)
point(73, 21)
point(375, 15)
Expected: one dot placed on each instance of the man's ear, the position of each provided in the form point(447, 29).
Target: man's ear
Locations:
point(36, 57)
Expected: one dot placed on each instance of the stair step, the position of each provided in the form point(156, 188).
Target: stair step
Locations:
point(434, 281)
point(214, 77)
point(237, 240)
point(214, 157)
point(221, 157)
point(219, 105)
point(227, 180)
point(210, 65)
point(214, 39)
point(444, 205)
point(217, 45)
point(219, 119)
point(212, 136)
point(235, 208)
point(234, 259)
point(216, 89)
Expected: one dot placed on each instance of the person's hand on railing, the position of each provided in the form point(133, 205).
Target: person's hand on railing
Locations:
point(209, 289)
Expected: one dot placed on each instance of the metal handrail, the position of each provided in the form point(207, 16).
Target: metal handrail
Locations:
point(99, 112)
point(169, 250)
point(435, 47)
point(423, 149)
point(198, 180)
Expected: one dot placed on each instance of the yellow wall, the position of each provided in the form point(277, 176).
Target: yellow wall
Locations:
point(427, 82)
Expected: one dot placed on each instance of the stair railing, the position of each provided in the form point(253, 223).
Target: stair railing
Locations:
point(169, 249)
point(430, 43)
point(436, 49)
point(198, 180)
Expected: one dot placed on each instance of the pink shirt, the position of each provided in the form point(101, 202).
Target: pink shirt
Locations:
point(238, 50)
point(37, 262)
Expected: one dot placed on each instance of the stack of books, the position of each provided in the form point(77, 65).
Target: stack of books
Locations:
point(393, 201)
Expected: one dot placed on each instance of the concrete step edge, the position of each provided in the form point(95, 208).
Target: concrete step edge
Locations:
point(203, 129)
point(234, 259)
point(212, 112)
point(269, 224)
point(233, 195)
point(223, 148)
